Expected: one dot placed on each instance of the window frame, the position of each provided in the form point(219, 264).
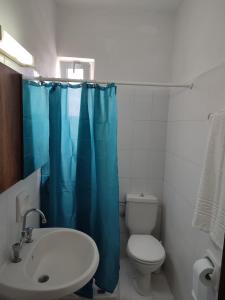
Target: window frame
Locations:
point(81, 60)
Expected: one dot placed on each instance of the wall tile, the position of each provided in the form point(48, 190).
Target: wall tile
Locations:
point(125, 188)
point(160, 104)
point(125, 163)
point(125, 99)
point(187, 139)
point(157, 165)
point(9, 228)
point(125, 133)
point(142, 109)
point(149, 135)
point(141, 164)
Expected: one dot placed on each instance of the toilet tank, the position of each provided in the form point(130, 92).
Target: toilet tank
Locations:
point(141, 213)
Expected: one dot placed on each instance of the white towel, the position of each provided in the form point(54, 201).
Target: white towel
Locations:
point(209, 214)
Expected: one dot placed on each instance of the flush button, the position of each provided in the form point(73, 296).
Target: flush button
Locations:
point(43, 278)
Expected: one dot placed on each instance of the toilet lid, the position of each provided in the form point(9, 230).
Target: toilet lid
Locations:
point(145, 248)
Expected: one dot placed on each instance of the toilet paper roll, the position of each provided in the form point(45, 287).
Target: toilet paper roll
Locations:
point(203, 268)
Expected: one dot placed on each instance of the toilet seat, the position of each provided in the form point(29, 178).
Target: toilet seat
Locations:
point(145, 248)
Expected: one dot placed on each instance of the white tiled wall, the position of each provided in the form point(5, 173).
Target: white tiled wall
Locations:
point(142, 116)
point(9, 228)
point(25, 21)
point(187, 131)
point(199, 45)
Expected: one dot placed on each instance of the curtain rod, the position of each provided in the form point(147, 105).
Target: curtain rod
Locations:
point(156, 84)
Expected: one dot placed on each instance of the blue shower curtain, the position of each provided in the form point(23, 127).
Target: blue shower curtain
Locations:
point(35, 126)
point(79, 182)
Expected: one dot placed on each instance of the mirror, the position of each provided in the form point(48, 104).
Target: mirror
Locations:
point(11, 133)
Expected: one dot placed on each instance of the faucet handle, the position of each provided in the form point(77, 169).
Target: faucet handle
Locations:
point(16, 252)
point(28, 238)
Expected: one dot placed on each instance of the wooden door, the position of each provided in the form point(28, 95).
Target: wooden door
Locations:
point(221, 295)
point(11, 141)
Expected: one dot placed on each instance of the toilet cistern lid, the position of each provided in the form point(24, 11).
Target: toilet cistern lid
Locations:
point(141, 198)
point(145, 248)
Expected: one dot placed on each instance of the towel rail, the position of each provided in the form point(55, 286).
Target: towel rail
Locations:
point(211, 114)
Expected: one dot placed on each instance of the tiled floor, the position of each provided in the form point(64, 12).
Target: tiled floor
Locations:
point(105, 296)
point(126, 291)
point(160, 286)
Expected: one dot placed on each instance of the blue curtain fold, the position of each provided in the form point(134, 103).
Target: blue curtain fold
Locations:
point(97, 189)
point(63, 120)
point(79, 182)
point(35, 126)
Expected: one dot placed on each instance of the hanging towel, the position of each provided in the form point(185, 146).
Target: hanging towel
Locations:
point(209, 214)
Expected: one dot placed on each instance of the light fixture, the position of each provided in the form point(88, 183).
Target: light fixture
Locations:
point(10, 48)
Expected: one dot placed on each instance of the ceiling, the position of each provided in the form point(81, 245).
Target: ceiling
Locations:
point(166, 5)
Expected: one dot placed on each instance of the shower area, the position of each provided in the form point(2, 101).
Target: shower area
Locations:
point(95, 145)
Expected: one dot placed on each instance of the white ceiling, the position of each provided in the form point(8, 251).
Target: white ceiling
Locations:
point(169, 5)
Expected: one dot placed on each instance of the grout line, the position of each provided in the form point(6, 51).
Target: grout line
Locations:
point(183, 158)
point(177, 121)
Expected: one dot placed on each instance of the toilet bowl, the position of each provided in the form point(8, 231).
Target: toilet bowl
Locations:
point(146, 253)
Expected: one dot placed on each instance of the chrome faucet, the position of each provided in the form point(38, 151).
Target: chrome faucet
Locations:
point(26, 234)
point(27, 231)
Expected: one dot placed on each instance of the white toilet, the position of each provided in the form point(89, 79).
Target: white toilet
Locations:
point(145, 251)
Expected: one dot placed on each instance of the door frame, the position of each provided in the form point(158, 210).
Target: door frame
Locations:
point(221, 295)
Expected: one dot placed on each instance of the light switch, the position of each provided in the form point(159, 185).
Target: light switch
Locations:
point(23, 203)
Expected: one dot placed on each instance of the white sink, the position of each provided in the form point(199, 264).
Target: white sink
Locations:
point(57, 263)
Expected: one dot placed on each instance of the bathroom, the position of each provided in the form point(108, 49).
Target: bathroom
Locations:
point(167, 60)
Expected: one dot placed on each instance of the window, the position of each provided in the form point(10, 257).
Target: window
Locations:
point(75, 68)
point(75, 73)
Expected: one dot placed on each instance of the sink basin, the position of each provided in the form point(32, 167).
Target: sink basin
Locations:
point(57, 263)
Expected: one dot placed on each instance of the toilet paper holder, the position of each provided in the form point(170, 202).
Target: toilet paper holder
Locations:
point(214, 277)
point(208, 276)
